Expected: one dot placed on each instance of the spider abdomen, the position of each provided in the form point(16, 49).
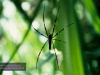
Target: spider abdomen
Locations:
point(50, 41)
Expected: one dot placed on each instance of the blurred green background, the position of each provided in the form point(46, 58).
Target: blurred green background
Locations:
point(19, 42)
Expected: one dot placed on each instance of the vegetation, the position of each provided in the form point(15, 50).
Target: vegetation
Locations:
point(19, 42)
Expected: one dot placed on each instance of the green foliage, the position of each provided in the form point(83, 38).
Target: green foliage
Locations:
point(19, 42)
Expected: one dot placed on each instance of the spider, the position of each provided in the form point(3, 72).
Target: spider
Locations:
point(49, 36)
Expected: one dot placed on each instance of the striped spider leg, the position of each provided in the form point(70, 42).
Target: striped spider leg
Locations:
point(50, 37)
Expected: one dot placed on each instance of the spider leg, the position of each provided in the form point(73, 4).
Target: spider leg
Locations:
point(60, 41)
point(55, 21)
point(39, 32)
point(62, 30)
point(44, 21)
point(40, 53)
point(56, 56)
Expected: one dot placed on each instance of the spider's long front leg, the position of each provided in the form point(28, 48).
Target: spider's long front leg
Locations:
point(40, 53)
point(55, 22)
point(39, 32)
point(62, 30)
point(44, 22)
point(56, 56)
point(60, 41)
